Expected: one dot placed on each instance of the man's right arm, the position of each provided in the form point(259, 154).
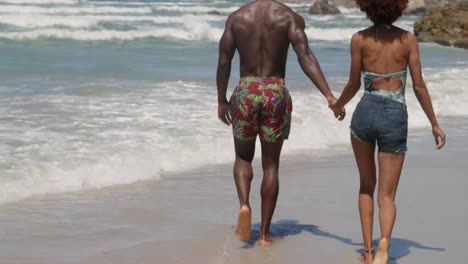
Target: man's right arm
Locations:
point(226, 53)
point(306, 58)
point(227, 48)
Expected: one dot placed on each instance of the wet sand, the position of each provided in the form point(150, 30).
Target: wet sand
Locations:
point(190, 217)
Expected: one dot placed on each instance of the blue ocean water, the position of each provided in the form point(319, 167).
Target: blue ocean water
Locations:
point(97, 93)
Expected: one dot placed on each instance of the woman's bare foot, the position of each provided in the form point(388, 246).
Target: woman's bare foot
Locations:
point(243, 223)
point(382, 253)
point(367, 257)
point(265, 241)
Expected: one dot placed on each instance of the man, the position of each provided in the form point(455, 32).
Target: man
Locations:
point(261, 32)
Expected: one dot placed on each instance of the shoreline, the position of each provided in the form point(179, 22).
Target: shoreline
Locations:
point(298, 157)
point(189, 218)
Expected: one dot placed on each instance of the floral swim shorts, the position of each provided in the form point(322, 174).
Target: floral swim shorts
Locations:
point(261, 106)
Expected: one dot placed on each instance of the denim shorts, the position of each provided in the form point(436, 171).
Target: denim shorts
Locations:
point(381, 120)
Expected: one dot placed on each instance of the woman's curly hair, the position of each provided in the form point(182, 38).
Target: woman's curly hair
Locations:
point(383, 12)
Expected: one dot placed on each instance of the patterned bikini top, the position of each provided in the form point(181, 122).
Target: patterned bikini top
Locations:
point(398, 95)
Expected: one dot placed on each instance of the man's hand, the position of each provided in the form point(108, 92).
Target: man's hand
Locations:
point(340, 112)
point(223, 112)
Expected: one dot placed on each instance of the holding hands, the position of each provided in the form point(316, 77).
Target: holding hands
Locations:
point(340, 112)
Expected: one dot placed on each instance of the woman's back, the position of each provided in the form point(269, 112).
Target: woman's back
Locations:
point(384, 51)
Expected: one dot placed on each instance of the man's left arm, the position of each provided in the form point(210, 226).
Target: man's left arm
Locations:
point(306, 57)
point(227, 49)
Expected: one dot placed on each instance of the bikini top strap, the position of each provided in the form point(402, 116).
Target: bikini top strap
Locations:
point(370, 76)
point(374, 75)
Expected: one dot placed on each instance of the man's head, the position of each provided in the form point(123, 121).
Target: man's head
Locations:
point(383, 12)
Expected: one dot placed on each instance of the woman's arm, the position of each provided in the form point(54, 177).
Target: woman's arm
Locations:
point(354, 82)
point(421, 92)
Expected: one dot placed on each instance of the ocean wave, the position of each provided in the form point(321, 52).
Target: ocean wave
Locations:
point(39, 177)
point(40, 2)
point(78, 142)
point(344, 34)
point(448, 93)
point(349, 10)
point(17, 9)
point(87, 141)
point(86, 21)
point(37, 21)
point(184, 19)
point(321, 18)
point(193, 9)
point(296, 5)
point(355, 16)
point(406, 25)
point(312, 119)
point(118, 3)
point(331, 34)
point(192, 29)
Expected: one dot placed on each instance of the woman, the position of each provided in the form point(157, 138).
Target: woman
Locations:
point(382, 52)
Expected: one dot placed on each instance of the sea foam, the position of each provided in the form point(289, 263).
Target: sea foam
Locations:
point(199, 32)
point(91, 141)
point(18, 9)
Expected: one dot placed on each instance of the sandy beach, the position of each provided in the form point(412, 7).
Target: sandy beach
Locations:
point(111, 150)
point(189, 217)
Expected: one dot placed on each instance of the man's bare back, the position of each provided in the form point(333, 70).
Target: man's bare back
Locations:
point(261, 35)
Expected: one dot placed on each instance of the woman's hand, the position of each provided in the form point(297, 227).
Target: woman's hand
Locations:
point(439, 137)
point(339, 112)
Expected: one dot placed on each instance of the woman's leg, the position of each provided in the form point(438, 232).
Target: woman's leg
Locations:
point(390, 166)
point(365, 159)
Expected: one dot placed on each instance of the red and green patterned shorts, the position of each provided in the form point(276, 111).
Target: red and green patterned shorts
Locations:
point(261, 106)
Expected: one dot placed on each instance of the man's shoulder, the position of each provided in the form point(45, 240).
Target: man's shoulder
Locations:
point(286, 10)
point(289, 14)
point(245, 8)
point(239, 12)
point(250, 7)
point(286, 7)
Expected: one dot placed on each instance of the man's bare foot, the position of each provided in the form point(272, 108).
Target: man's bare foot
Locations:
point(367, 257)
point(243, 223)
point(265, 241)
point(382, 253)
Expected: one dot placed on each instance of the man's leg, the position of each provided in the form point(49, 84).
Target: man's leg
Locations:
point(243, 175)
point(270, 187)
